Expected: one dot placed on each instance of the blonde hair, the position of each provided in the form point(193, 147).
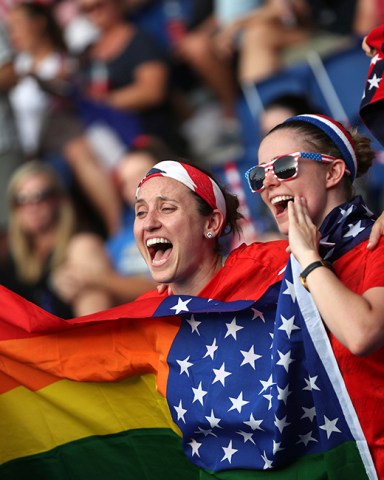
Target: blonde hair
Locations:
point(28, 265)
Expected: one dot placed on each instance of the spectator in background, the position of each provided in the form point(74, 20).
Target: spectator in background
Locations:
point(116, 267)
point(10, 154)
point(48, 124)
point(282, 107)
point(41, 226)
point(259, 35)
point(125, 70)
point(196, 49)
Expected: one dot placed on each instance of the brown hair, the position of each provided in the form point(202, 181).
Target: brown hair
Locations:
point(320, 142)
point(231, 226)
point(52, 28)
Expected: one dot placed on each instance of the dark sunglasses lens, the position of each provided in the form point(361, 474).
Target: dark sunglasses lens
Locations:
point(36, 198)
point(256, 178)
point(285, 167)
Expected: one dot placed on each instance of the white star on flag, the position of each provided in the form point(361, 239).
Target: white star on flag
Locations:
point(368, 211)
point(181, 306)
point(221, 374)
point(205, 431)
point(288, 326)
point(375, 59)
point(330, 426)
point(199, 394)
point(247, 436)
point(269, 398)
point(254, 424)
point(249, 357)
point(306, 438)
point(194, 324)
point(213, 421)
point(184, 365)
point(285, 359)
point(281, 423)
point(374, 82)
point(228, 452)
point(283, 394)
point(290, 290)
point(309, 413)
point(238, 403)
point(195, 447)
point(311, 383)
point(354, 230)
point(232, 329)
point(276, 447)
point(257, 314)
point(266, 384)
point(180, 411)
point(211, 349)
point(267, 462)
point(344, 213)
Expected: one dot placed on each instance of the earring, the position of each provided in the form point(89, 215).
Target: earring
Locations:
point(209, 235)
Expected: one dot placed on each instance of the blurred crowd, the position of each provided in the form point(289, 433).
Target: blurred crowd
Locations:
point(94, 92)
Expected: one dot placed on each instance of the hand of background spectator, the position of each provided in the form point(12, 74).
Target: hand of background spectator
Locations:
point(67, 281)
point(368, 50)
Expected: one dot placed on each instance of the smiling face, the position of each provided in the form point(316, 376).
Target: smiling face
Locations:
point(310, 183)
point(170, 233)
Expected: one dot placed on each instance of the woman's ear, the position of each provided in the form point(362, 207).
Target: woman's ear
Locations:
point(215, 223)
point(335, 173)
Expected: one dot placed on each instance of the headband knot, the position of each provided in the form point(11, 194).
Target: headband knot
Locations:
point(193, 178)
point(337, 133)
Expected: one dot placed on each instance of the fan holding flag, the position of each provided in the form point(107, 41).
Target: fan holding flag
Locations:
point(310, 194)
point(225, 365)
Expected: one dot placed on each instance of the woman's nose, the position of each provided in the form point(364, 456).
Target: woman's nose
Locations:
point(270, 179)
point(151, 221)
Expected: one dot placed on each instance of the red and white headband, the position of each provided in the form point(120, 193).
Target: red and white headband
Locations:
point(191, 177)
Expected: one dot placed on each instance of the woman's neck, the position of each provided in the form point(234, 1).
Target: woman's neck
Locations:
point(195, 283)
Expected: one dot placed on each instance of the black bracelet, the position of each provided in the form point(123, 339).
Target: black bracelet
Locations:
point(312, 266)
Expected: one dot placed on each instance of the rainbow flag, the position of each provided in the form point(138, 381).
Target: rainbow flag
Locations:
point(174, 388)
point(114, 424)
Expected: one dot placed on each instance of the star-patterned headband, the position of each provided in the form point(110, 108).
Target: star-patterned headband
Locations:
point(191, 177)
point(337, 133)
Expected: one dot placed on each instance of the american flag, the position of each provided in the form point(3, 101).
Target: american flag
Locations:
point(371, 103)
point(255, 385)
point(247, 388)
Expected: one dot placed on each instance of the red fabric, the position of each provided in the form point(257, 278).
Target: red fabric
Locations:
point(235, 281)
point(361, 270)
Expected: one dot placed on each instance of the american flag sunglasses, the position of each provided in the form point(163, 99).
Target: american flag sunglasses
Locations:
point(284, 168)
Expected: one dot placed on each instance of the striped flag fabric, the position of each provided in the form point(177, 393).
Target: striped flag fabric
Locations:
point(371, 105)
point(178, 387)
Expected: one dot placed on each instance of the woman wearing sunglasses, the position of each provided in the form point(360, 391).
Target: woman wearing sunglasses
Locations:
point(307, 166)
point(229, 380)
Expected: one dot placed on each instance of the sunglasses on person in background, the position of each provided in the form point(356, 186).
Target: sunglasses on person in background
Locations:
point(284, 168)
point(35, 198)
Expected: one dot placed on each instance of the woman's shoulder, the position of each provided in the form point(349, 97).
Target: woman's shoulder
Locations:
point(264, 252)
